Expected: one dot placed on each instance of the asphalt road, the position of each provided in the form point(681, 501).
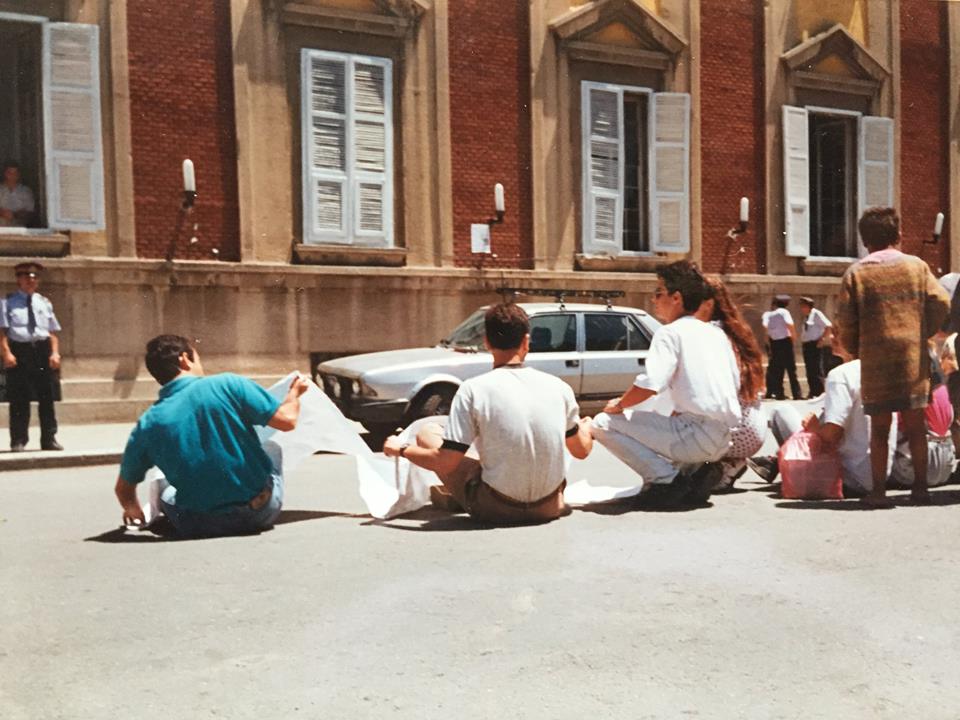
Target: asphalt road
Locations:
point(753, 608)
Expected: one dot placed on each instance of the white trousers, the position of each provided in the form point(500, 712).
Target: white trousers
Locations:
point(658, 446)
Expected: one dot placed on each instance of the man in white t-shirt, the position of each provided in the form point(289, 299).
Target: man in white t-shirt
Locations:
point(692, 363)
point(841, 424)
point(519, 420)
point(778, 324)
point(815, 343)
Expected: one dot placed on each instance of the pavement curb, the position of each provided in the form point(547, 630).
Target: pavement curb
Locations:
point(43, 461)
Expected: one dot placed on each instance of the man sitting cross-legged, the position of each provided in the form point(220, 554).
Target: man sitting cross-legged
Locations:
point(692, 362)
point(517, 418)
point(201, 435)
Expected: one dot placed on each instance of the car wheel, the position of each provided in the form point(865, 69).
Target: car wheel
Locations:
point(432, 400)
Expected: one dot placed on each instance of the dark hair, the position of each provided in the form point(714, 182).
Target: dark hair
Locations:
point(163, 356)
point(10, 164)
point(683, 276)
point(879, 227)
point(505, 325)
point(780, 302)
point(745, 345)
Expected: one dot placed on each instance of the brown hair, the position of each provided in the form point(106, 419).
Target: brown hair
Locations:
point(879, 227)
point(745, 345)
point(505, 325)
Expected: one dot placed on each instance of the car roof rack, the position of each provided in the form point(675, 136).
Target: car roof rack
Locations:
point(510, 294)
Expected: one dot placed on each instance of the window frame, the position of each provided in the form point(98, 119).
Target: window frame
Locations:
point(855, 115)
point(586, 205)
point(350, 234)
point(628, 318)
point(577, 326)
point(50, 197)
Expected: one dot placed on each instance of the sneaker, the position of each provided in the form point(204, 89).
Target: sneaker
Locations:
point(17, 447)
point(50, 444)
point(765, 467)
point(665, 496)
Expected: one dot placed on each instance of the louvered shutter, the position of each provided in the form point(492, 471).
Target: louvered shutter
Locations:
point(324, 137)
point(875, 163)
point(669, 170)
point(71, 124)
point(372, 141)
point(347, 136)
point(602, 153)
point(796, 180)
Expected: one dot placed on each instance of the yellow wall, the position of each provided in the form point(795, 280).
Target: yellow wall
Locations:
point(815, 16)
point(616, 34)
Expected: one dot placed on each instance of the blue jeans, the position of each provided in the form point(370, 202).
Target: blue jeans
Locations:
point(238, 519)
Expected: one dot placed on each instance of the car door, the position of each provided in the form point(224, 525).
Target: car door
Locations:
point(615, 351)
point(553, 347)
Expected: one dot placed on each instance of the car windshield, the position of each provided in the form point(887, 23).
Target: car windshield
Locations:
point(468, 334)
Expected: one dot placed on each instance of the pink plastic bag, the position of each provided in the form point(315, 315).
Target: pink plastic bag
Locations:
point(807, 471)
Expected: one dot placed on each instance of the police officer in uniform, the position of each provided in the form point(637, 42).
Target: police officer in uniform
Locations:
point(30, 352)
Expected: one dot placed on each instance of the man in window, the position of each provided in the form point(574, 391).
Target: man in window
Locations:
point(519, 419)
point(690, 364)
point(16, 199)
point(201, 434)
point(890, 303)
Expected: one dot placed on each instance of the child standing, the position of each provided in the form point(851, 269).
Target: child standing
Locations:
point(890, 303)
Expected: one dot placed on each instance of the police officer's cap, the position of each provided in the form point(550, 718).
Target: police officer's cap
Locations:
point(782, 298)
point(28, 268)
point(807, 299)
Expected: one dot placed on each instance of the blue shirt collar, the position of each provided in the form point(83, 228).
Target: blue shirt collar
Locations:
point(176, 385)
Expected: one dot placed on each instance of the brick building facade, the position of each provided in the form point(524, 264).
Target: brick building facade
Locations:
point(344, 147)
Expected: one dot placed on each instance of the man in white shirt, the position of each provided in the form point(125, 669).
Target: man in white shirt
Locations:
point(519, 420)
point(691, 362)
point(841, 425)
point(815, 343)
point(780, 334)
point(16, 200)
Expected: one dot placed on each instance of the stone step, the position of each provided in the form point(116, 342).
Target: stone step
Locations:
point(88, 402)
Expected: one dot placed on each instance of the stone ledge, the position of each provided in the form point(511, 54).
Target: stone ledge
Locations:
point(349, 255)
point(622, 263)
point(45, 459)
point(825, 266)
point(34, 244)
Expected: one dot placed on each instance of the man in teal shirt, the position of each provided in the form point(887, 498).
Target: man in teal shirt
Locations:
point(201, 434)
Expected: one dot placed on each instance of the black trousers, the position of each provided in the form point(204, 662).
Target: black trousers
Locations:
point(815, 360)
point(781, 359)
point(31, 379)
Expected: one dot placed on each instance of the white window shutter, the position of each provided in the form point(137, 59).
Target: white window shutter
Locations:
point(669, 171)
point(347, 140)
point(602, 168)
point(372, 134)
point(875, 161)
point(71, 126)
point(796, 180)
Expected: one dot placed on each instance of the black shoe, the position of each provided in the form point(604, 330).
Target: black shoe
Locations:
point(766, 467)
point(17, 447)
point(702, 483)
point(50, 444)
point(665, 496)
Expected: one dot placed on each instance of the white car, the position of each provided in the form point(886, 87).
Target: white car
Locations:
point(597, 350)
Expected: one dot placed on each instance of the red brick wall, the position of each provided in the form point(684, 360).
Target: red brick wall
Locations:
point(924, 146)
point(732, 121)
point(181, 102)
point(490, 126)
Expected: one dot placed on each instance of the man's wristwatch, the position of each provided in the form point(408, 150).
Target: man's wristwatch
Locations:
point(403, 449)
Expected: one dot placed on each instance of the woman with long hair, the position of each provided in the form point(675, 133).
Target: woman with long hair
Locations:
point(747, 438)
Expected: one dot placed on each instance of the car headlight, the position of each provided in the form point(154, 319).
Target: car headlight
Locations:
point(361, 389)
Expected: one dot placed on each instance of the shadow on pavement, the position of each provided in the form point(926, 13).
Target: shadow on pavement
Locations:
point(162, 530)
point(940, 498)
point(434, 520)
